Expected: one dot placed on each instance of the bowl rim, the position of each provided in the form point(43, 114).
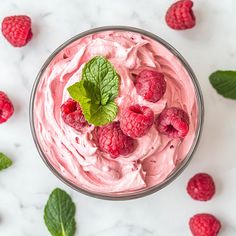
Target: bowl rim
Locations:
point(177, 171)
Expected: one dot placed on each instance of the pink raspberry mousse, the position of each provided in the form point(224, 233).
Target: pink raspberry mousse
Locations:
point(153, 155)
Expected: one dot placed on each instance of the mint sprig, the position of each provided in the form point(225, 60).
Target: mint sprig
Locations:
point(96, 91)
point(225, 83)
point(5, 161)
point(59, 214)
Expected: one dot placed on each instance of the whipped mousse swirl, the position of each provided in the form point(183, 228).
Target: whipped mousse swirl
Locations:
point(75, 155)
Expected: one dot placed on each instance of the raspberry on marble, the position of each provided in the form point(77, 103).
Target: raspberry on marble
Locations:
point(201, 187)
point(17, 30)
point(180, 15)
point(6, 107)
point(204, 225)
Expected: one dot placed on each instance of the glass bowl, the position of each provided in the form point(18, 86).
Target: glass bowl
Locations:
point(181, 166)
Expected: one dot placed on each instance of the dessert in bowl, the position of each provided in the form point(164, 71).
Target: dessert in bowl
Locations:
point(116, 113)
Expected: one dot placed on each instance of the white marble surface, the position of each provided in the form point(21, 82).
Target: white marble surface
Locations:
point(24, 188)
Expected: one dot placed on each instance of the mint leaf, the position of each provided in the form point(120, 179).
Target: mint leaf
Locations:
point(5, 162)
point(59, 214)
point(104, 114)
point(102, 74)
point(225, 83)
point(96, 91)
point(93, 111)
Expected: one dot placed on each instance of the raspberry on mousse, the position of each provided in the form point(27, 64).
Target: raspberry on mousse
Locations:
point(173, 122)
point(113, 141)
point(151, 85)
point(136, 120)
point(72, 115)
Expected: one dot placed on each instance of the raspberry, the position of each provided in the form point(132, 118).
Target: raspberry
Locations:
point(72, 115)
point(180, 15)
point(6, 107)
point(151, 85)
point(173, 122)
point(17, 30)
point(201, 187)
point(136, 120)
point(204, 225)
point(112, 140)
